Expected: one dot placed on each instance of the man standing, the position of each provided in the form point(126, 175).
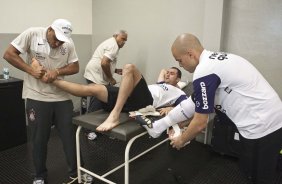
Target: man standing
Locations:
point(100, 70)
point(102, 66)
point(245, 97)
point(46, 104)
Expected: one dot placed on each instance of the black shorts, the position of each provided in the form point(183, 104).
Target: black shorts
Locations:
point(139, 98)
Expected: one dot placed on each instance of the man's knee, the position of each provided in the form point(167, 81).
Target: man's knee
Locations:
point(129, 68)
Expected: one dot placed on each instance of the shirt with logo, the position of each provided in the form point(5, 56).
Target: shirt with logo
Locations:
point(33, 43)
point(166, 95)
point(234, 86)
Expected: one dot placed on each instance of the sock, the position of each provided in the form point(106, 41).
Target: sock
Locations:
point(181, 112)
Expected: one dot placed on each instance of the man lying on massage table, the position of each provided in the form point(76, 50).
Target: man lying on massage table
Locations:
point(133, 93)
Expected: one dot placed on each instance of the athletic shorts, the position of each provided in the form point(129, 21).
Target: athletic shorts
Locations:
point(139, 98)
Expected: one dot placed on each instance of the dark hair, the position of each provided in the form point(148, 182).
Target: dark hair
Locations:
point(179, 73)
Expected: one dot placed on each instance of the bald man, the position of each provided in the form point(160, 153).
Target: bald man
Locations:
point(231, 84)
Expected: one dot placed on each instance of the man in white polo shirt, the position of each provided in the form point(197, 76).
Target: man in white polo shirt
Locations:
point(46, 104)
point(233, 86)
point(102, 66)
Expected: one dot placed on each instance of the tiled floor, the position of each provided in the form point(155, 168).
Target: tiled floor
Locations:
point(195, 164)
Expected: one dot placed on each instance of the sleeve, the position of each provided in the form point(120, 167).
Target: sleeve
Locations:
point(180, 99)
point(72, 53)
point(22, 41)
point(205, 88)
point(111, 52)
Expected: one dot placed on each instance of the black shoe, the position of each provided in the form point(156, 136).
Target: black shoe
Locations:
point(147, 120)
point(71, 180)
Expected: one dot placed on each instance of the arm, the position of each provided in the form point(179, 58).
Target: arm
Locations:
point(69, 69)
point(165, 110)
point(162, 74)
point(12, 56)
point(196, 126)
point(106, 66)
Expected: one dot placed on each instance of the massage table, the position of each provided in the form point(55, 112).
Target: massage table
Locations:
point(128, 130)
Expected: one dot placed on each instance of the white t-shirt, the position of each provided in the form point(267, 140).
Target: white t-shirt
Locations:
point(34, 43)
point(166, 95)
point(232, 85)
point(93, 70)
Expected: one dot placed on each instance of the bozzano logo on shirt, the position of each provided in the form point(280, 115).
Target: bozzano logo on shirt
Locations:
point(204, 95)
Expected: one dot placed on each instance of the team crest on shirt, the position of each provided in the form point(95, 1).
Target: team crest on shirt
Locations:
point(63, 50)
point(163, 86)
point(197, 104)
point(31, 115)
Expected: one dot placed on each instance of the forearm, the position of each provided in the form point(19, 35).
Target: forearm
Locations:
point(196, 126)
point(161, 77)
point(106, 67)
point(107, 71)
point(69, 69)
point(184, 123)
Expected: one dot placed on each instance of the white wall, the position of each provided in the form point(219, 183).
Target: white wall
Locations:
point(253, 29)
point(18, 15)
point(250, 28)
point(153, 26)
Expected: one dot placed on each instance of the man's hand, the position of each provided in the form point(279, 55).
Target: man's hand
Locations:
point(165, 110)
point(50, 76)
point(118, 71)
point(46, 76)
point(112, 81)
point(38, 71)
point(177, 142)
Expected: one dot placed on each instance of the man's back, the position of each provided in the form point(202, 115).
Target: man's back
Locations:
point(240, 91)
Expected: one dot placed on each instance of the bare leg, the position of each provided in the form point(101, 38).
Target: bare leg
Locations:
point(97, 90)
point(130, 78)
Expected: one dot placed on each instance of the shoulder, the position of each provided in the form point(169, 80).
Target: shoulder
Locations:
point(109, 41)
point(210, 63)
point(109, 44)
point(34, 31)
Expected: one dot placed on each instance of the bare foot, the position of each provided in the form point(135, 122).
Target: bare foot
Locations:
point(108, 124)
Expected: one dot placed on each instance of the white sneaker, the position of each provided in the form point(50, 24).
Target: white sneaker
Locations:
point(87, 179)
point(91, 136)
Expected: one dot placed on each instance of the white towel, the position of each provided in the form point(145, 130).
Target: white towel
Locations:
point(146, 111)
